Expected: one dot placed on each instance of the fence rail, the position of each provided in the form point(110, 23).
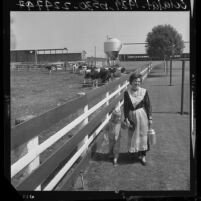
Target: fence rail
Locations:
point(78, 144)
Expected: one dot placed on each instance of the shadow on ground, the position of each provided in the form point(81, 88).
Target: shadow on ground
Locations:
point(165, 112)
point(165, 85)
point(155, 75)
point(124, 158)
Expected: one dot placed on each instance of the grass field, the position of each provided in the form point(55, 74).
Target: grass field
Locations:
point(35, 92)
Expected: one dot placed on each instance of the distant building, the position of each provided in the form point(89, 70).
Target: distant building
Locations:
point(22, 56)
point(96, 61)
point(133, 57)
point(145, 57)
point(46, 55)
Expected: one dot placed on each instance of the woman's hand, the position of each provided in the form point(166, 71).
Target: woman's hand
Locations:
point(150, 123)
point(127, 122)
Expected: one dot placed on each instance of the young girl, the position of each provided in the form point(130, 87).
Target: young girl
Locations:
point(113, 129)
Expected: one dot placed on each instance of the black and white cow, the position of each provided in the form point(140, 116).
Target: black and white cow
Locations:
point(97, 74)
point(92, 73)
point(105, 75)
point(50, 68)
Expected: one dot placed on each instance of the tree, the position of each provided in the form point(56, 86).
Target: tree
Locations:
point(164, 41)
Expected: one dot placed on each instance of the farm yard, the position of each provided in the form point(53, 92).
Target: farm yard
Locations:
point(75, 118)
point(36, 92)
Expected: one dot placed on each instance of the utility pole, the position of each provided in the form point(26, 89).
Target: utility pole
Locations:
point(170, 72)
point(95, 55)
point(36, 59)
point(182, 86)
point(172, 54)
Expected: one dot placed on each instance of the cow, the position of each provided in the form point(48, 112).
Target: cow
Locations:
point(51, 67)
point(82, 68)
point(90, 73)
point(105, 75)
point(123, 70)
point(93, 74)
point(112, 72)
point(74, 67)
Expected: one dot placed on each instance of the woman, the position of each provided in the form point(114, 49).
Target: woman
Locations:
point(137, 113)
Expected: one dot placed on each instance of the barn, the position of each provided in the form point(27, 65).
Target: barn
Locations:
point(45, 56)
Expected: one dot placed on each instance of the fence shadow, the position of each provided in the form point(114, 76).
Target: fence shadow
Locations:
point(166, 112)
point(156, 75)
point(124, 158)
point(165, 85)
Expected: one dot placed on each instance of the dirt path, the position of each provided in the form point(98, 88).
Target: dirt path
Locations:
point(168, 161)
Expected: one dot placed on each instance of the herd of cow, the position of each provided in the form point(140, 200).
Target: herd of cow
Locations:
point(93, 74)
point(101, 75)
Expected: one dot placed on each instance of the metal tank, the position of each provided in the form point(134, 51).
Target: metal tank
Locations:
point(112, 47)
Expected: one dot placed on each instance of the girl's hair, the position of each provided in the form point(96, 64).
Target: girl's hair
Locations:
point(135, 76)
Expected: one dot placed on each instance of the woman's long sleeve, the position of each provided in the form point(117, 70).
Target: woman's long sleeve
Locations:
point(147, 105)
point(126, 105)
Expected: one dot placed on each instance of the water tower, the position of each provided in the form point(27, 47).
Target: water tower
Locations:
point(111, 48)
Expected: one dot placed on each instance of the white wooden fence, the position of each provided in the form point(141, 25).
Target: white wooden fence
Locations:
point(35, 151)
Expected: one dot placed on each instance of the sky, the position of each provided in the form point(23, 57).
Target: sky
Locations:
point(78, 31)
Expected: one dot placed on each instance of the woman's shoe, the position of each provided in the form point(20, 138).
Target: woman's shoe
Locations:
point(143, 161)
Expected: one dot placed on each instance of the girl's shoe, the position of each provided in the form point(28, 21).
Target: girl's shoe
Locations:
point(115, 162)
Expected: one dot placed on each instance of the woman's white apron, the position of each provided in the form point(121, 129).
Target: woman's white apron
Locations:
point(137, 139)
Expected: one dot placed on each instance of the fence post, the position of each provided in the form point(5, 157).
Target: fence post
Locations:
point(149, 68)
point(36, 162)
point(86, 108)
point(119, 103)
point(30, 145)
point(127, 84)
point(26, 148)
point(107, 117)
point(107, 103)
point(165, 66)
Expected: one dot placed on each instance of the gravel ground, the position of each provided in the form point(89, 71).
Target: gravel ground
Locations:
point(168, 167)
